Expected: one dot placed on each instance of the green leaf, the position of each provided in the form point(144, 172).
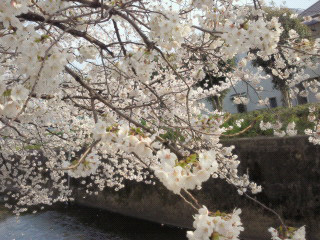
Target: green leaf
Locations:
point(215, 236)
point(143, 122)
point(173, 135)
point(33, 147)
point(7, 93)
point(192, 158)
point(55, 133)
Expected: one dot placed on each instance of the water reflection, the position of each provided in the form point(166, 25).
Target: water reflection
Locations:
point(80, 223)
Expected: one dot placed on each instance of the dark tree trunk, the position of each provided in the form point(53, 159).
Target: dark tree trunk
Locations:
point(217, 103)
point(286, 101)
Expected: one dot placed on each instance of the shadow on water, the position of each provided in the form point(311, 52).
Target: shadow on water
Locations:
point(81, 223)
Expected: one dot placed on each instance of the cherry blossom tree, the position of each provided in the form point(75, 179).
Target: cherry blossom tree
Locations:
point(105, 90)
point(293, 28)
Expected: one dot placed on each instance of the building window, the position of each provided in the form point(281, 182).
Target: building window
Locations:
point(273, 102)
point(241, 108)
point(301, 100)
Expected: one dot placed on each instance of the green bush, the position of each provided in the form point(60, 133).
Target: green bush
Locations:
point(298, 114)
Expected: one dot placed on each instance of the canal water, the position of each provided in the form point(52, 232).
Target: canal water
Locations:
point(81, 223)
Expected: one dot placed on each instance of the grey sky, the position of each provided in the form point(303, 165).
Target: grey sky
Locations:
point(303, 4)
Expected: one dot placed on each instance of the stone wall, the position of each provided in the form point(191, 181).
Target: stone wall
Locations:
point(287, 168)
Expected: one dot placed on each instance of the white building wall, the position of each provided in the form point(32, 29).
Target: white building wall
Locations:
point(313, 73)
point(242, 87)
point(268, 92)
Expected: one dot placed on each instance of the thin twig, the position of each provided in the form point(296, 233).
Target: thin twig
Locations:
point(73, 166)
point(267, 208)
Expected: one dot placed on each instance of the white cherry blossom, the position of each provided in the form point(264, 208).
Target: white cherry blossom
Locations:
point(19, 93)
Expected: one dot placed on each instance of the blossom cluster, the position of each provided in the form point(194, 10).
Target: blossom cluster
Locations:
point(167, 30)
point(277, 126)
point(261, 34)
point(185, 174)
point(216, 225)
point(290, 233)
point(86, 168)
point(314, 134)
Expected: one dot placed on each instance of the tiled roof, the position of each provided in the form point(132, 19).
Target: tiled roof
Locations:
point(312, 10)
point(312, 22)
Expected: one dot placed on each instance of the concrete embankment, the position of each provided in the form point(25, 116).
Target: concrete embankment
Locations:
point(287, 168)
